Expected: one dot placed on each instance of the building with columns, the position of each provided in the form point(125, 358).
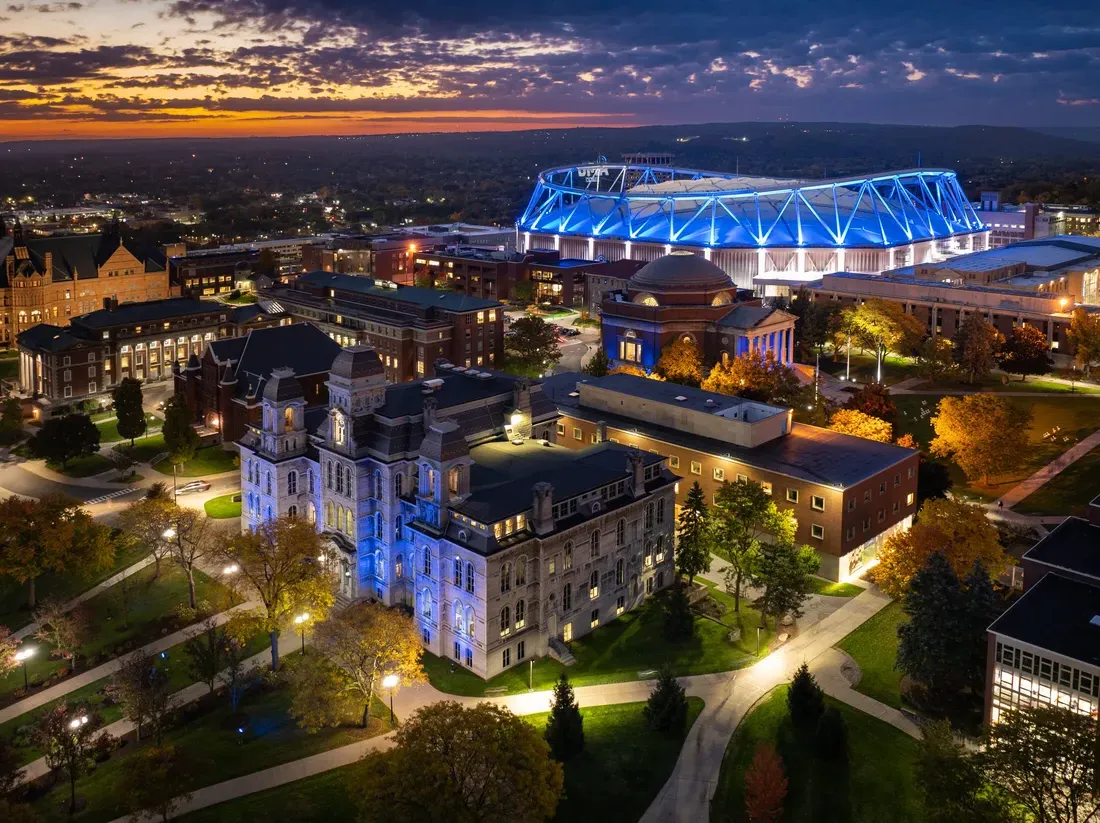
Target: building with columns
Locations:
point(683, 296)
point(450, 495)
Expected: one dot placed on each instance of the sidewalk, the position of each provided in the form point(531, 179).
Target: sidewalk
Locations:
point(1052, 469)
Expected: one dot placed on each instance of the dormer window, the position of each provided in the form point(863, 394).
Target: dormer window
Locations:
point(339, 428)
point(288, 418)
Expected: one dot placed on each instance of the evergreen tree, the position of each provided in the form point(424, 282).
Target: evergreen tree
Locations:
point(666, 710)
point(599, 365)
point(831, 736)
point(693, 550)
point(783, 571)
point(565, 726)
point(179, 432)
point(62, 438)
point(679, 621)
point(805, 700)
point(128, 408)
point(981, 607)
point(832, 781)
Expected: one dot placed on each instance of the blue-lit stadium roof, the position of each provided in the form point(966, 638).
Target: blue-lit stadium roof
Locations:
point(657, 204)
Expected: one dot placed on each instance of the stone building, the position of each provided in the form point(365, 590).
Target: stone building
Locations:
point(449, 495)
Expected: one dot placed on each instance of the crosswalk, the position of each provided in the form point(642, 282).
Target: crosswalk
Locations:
point(111, 496)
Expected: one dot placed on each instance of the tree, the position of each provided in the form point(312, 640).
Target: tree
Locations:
point(765, 786)
point(523, 291)
point(238, 631)
point(957, 530)
point(11, 420)
point(565, 726)
point(71, 741)
point(11, 767)
point(148, 520)
point(178, 430)
point(1044, 758)
point(121, 461)
point(873, 399)
point(1025, 351)
point(884, 325)
point(692, 550)
point(156, 780)
point(266, 262)
point(983, 433)
point(467, 765)
point(192, 538)
point(629, 368)
point(599, 364)
point(141, 688)
point(936, 358)
point(679, 623)
point(666, 709)
point(367, 641)
point(8, 648)
point(53, 534)
point(907, 441)
point(1084, 334)
point(831, 774)
point(680, 362)
point(755, 376)
point(531, 346)
point(805, 700)
point(319, 695)
point(206, 653)
point(782, 571)
point(858, 424)
point(63, 629)
point(63, 438)
point(129, 410)
point(279, 560)
point(976, 346)
point(742, 515)
point(814, 324)
point(933, 480)
point(951, 780)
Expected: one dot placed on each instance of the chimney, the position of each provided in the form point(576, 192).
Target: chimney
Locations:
point(636, 466)
point(601, 431)
point(48, 258)
point(430, 406)
point(542, 520)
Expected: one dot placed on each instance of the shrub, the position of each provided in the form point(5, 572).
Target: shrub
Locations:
point(805, 700)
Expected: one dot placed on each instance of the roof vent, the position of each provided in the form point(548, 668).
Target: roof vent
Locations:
point(484, 375)
point(680, 398)
point(710, 402)
point(458, 368)
point(433, 384)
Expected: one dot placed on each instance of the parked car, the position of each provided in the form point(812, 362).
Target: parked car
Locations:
point(570, 332)
point(193, 486)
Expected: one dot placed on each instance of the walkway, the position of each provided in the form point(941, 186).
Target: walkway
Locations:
point(1052, 469)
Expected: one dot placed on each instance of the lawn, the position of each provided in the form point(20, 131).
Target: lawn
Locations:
point(108, 429)
point(1068, 492)
point(9, 365)
point(623, 767)
point(86, 466)
point(149, 447)
point(629, 648)
point(882, 762)
point(210, 460)
point(819, 585)
point(220, 508)
point(1077, 416)
point(894, 368)
point(213, 751)
point(874, 647)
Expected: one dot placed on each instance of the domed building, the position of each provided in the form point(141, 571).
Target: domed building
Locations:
point(684, 295)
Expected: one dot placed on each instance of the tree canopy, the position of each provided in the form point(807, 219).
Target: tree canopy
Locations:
point(693, 550)
point(984, 434)
point(1025, 351)
point(63, 438)
point(598, 365)
point(755, 376)
point(531, 346)
point(681, 362)
point(884, 325)
point(936, 358)
point(873, 399)
point(976, 347)
point(859, 424)
point(127, 399)
point(1084, 333)
point(179, 431)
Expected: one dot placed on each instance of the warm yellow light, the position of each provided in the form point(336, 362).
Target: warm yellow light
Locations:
point(302, 618)
point(23, 654)
point(390, 681)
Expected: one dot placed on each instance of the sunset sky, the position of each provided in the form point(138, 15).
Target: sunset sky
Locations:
point(149, 68)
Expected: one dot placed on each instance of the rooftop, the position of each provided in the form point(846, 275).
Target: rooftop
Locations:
point(151, 311)
point(447, 300)
point(1055, 614)
point(301, 346)
point(45, 337)
point(1073, 545)
point(459, 388)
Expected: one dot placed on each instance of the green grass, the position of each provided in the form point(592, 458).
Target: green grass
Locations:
point(9, 365)
point(882, 764)
point(622, 768)
point(149, 447)
point(1068, 492)
point(894, 368)
point(223, 507)
point(830, 589)
point(1078, 417)
point(622, 650)
point(874, 647)
point(108, 429)
point(213, 752)
point(993, 384)
point(86, 466)
point(210, 460)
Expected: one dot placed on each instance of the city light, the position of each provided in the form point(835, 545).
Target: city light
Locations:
point(231, 569)
point(24, 654)
point(77, 722)
point(169, 533)
point(390, 681)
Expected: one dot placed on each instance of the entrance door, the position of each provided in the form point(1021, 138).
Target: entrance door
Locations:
point(552, 624)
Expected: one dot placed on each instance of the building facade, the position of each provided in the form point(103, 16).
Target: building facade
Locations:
point(847, 493)
point(409, 327)
point(449, 495)
point(210, 272)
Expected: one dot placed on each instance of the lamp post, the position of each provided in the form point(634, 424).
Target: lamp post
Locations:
point(300, 621)
point(23, 656)
point(390, 682)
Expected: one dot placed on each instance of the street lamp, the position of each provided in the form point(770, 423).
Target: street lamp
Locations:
point(300, 620)
point(23, 656)
point(390, 682)
point(168, 533)
point(231, 569)
point(77, 722)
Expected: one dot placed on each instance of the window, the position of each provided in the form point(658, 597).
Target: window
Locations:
point(673, 461)
point(620, 533)
point(649, 553)
point(696, 468)
point(867, 496)
point(577, 434)
point(470, 577)
point(521, 572)
point(850, 533)
point(595, 621)
point(68, 375)
point(882, 487)
point(910, 473)
point(896, 507)
point(506, 578)
point(506, 658)
point(620, 605)
point(91, 371)
point(568, 562)
point(897, 479)
point(649, 585)
point(909, 499)
point(867, 524)
point(521, 614)
point(881, 515)
point(458, 651)
point(767, 487)
point(792, 495)
point(594, 585)
point(292, 483)
point(817, 532)
point(567, 597)
point(719, 473)
point(267, 482)
point(551, 566)
point(660, 511)
point(595, 543)
point(742, 478)
point(521, 650)
point(851, 504)
point(649, 515)
point(660, 547)
point(817, 503)
point(427, 561)
point(505, 620)
point(567, 632)
point(561, 429)
point(458, 571)
point(91, 387)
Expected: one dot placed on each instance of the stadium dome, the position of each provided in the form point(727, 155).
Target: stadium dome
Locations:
point(680, 271)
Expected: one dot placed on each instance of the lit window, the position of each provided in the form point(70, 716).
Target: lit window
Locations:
point(719, 473)
point(909, 499)
point(696, 468)
point(673, 461)
point(577, 434)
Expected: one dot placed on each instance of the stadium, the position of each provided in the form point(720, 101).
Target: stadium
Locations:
point(768, 234)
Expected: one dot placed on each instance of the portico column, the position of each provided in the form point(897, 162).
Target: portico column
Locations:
point(790, 343)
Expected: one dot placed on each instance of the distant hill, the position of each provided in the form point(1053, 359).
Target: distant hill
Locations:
point(1089, 134)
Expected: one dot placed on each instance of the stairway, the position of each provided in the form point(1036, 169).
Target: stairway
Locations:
point(560, 652)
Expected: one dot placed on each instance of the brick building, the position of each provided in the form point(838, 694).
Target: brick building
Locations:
point(59, 366)
point(847, 493)
point(53, 279)
point(209, 272)
point(408, 326)
point(225, 386)
point(384, 256)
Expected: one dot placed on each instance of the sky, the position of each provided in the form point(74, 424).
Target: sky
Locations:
point(164, 68)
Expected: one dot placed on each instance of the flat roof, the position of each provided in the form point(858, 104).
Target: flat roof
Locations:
point(1073, 545)
point(1056, 614)
point(448, 300)
point(149, 311)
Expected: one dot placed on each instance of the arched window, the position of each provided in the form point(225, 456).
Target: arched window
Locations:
point(378, 484)
point(328, 474)
point(568, 562)
point(380, 566)
point(329, 520)
point(594, 540)
point(458, 571)
point(453, 478)
point(312, 513)
point(649, 515)
point(505, 620)
point(427, 561)
point(649, 552)
point(459, 618)
point(594, 585)
point(660, 547)
point(268, 513)
point(521, 614)
point(521, 572)
point(347, 480)
point(267, 482)
point(339, 480)
point(567, 597)
point(397, 528)
point(292, 511)
point(620, 532)
point(506, 578)
point(399, 566)
point(426, 603)
point(661, 511)
point(399, 485)
point(634, 585)
point(349, 521)
point(470, 577)
point(620, 573)
point(292, 483)
point(378, 525)
point(470, 622)
point(248, 467)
